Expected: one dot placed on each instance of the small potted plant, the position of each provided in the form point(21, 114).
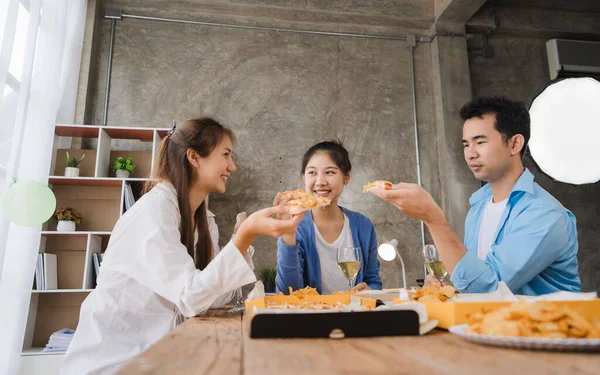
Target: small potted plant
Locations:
point(72, 170)
point(123, 167)
point(66, 219)
point(267, 276)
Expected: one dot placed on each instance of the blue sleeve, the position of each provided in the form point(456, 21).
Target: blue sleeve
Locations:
point(536, 239)
point(371, 271)
point(290, 267)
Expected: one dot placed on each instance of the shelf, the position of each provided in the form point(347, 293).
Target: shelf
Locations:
point(51, 233)
point(85, 181)
point(93, 181)
point(132, 179)
point(62, 291)
point(142, 134)
point(38, 351)
point(98, 196)
point(84, 131)
point(98, 205)
point(118, 132)
point(86, 168)
point(50, 312)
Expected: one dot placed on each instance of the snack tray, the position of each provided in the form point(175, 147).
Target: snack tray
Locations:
point(530, 343)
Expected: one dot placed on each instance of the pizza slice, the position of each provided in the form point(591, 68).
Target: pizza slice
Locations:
point(381, 184)
point(302, 201)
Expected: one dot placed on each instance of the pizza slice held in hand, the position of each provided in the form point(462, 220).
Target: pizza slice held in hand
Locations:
point(302, 201)
point(379, 184)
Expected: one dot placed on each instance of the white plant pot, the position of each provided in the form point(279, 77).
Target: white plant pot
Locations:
point(65, 226)
point(122, 173)
point(71, 172)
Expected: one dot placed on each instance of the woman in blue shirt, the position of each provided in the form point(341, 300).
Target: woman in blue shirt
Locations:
point(307, 257)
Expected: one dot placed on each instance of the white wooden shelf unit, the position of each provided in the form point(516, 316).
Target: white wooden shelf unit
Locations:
point(100, 199)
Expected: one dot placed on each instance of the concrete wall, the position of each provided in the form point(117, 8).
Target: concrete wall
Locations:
point(281, 93)
point(519, 71)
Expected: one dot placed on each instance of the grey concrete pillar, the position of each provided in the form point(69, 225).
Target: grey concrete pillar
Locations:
point(452, 89)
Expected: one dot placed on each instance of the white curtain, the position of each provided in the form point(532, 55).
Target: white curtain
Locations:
point(49, 56)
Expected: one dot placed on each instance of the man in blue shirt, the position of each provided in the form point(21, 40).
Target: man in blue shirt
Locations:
point(515, 231)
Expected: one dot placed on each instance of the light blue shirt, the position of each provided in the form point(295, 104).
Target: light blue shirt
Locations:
point(535, 247)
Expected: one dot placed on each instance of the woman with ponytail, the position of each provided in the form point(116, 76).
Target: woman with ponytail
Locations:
point(159, 262)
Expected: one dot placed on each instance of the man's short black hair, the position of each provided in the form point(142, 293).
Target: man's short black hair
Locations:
point(511, 117)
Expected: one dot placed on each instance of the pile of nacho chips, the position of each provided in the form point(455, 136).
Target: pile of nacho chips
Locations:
point(300, 293)
point(433, 292)
point(534, 319)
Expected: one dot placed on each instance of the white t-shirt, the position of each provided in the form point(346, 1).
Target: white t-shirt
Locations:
point(332, 278)
point(489, 226)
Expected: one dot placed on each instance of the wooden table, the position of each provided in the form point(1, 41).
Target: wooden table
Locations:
point(218, 343)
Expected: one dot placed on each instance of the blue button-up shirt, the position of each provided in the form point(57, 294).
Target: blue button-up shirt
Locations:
point(535, 247)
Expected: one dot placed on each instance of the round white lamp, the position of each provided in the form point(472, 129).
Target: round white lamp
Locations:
point(565, 129)
point(388, 251)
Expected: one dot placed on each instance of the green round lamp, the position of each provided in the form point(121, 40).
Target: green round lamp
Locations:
point(29, 203)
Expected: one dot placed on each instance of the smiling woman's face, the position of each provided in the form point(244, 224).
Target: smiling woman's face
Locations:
point(323, 177)
point(214, 170)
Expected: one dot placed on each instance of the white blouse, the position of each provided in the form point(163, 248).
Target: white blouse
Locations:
point(147, 278)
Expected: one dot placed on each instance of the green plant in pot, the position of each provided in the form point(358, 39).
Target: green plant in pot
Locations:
point(72, 169)
point(267, 276)
point(123, 167)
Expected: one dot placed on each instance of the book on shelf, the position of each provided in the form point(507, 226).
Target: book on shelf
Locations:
point(97, 259)
point(129, 197)
point(45, 272)
point(39, 274)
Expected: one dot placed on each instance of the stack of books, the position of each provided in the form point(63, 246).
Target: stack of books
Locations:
point(59, 341)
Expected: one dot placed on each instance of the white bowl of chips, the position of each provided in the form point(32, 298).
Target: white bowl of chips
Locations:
point(533, 325)
point(530, 343)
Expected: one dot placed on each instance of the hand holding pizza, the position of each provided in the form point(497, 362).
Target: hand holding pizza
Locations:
point(264, 222)
point(413, 200)
point(279, 198)
point(296, 203)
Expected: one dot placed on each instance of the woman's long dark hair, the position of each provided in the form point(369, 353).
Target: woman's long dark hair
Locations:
point(202, 135)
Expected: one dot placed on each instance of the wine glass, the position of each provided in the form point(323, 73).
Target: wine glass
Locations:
point(433, 264)
point(239, 304)
point(349, 260)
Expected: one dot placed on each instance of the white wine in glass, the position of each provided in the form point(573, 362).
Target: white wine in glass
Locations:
point(349, 269)
point(435, 267)
point(349, 260)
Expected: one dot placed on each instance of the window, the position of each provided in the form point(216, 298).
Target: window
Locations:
point(13, 46)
